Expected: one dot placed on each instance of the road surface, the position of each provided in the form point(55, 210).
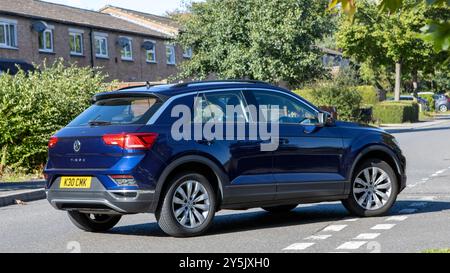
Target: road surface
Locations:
point(420, 219)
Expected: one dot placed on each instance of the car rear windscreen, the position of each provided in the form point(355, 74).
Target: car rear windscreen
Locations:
point(118, 111)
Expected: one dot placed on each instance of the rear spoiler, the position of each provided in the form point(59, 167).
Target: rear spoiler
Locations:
point(127, 94)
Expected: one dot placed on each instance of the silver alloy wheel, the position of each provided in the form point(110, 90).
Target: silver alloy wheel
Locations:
point(190, 204)
point(443, 108)
point(372, 188)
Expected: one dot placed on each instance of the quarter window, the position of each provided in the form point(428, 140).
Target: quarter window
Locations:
point(101, 46)
point(46, 40)
point(76, 43)
point(8, 34)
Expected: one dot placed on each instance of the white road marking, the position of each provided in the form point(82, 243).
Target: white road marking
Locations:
point(299, 246)
point(334, 228)
point(383, 226)
point(352, 245)
point(418, 204)
point(318, 237)
point(427, 198)
point(397, 218)
point(434, 174)
point(407, 211)
point(441, 171)
point(351, 220)
point(425, 179)
point(367, 236)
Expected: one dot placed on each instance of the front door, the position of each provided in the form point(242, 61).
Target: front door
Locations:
point(308, 160)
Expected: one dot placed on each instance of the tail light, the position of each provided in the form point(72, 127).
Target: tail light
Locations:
point(134, 141)
point(52, 142)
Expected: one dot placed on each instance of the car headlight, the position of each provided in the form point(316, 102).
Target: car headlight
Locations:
point(395, 141)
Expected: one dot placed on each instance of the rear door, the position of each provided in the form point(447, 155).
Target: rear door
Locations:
point(81, 144)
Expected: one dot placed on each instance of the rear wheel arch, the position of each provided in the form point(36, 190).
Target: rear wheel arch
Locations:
point(191, 163)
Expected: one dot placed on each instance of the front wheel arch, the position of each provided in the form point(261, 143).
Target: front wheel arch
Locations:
point(378, 152)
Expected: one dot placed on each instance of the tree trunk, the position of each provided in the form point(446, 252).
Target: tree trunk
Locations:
point(398, 74)
point(415, 82)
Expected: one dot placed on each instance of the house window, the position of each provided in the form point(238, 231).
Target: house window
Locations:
point(76, 42)
point(187, 53)
point(8, 33)
point(101, 46)
point(127, 50)
point(170, 54)
point(46, 40)
point(151, 53)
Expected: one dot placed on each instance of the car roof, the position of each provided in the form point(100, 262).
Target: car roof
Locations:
point(166, 91)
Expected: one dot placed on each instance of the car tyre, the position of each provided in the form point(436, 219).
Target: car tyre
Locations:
point(188, 206)
point(443, 108)
point(93, 222)
point(387, 188)
point(280, 209)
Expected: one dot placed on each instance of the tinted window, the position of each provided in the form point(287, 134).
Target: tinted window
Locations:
point(118, 111)
point(289, 110)
point(214, 107)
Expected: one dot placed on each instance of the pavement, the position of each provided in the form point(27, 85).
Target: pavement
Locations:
point(419, 220)
point(13, 193)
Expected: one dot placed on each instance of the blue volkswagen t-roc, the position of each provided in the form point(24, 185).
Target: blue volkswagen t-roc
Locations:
point(160, 150)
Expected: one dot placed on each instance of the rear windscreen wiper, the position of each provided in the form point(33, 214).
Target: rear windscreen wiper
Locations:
point(99, 123)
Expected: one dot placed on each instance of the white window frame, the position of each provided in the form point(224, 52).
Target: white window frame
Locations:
point(187, 53)
point(101, 37)
point(125, 58)
point(154, 52)
point(50, 29)
point(173, 52)
point(73, 33)
point(7, 23)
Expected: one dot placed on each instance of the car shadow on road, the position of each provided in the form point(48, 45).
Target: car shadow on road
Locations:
point(238, 221)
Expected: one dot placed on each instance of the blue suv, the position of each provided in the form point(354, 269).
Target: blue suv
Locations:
point(139, 150)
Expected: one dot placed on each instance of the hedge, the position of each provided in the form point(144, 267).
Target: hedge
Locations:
point(396, 112)
point(368, 93)
point(34, 106)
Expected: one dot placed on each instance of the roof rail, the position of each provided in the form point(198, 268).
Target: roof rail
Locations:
point(147, 84)
point(186, 84)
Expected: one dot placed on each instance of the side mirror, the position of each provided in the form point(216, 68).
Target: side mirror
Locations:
point(324, 119)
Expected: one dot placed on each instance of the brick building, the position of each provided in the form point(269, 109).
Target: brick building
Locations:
point(33, 31)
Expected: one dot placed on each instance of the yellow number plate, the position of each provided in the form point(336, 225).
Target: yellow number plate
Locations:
point(75, 182)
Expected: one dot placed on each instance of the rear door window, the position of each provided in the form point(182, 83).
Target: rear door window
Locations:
point(118, 111)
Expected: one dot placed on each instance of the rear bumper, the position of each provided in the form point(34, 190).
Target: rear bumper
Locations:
point(98, 199)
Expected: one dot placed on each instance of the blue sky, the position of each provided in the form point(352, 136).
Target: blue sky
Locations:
point(149, 6)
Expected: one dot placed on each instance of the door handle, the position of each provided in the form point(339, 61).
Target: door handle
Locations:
point(205, 142)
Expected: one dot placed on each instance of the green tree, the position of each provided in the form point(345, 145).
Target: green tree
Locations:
point(380, 41)
point(269, 40)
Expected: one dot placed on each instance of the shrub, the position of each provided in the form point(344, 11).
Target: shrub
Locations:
point(35, 106)
point(346, 100)
point(430, 100)
point(307, 94)
point(368, 93)
point(396, 112)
